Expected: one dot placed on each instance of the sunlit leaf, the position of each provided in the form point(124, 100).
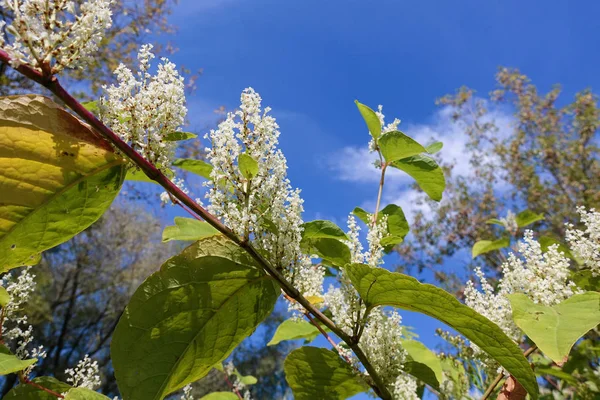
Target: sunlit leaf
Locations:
point(248, 166)
point(423, 363)
point(9, 363)
point(426, 172)
point(371, 119)
point(30, 392)
point(57, 177)
point(322, 229)
point(197, 167)
point(294, 329)
point(434, 147)
point(188, 229)
point(556, 329)
point(4, 297)
point(527, 217)
point(178, 136)
point(220, 396)
point(395, 146)
point(485, 246)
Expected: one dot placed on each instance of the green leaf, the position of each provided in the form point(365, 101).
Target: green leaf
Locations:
point(189, 316)
point(586, 280)
point(84, 394)
point(294, 329)
point(220, 396)
point(455, 371)
point(434, 147)
point(57, 177)
point(527, 217)
point(495, 221)
point(556, 329)
point(371, 119)
point(9, 363)
point(485, 246)
point(547, 241)
point(245, 379)
point(188, 229)
point(91, 106)
point(4, 297)
point(317, 373)
point(556, 372)
point(197, 167)
point(379, 287)
point(322, 229)
point(395, 146)
point(138, 176)
point(423, 364)
point(248, 166)
point(362, 215)
point(426, 172)
point(29, 392)
point(178, 136)
point(332, 251)
point(396, 222)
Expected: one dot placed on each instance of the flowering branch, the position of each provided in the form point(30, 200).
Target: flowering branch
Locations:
point(51, 83)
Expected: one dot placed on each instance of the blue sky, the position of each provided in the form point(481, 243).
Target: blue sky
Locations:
point(310, 59)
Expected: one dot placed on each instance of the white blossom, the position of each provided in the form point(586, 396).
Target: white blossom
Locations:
point(510, 222)
point(15, 328)
point(405, 388)
point(142, 109)
point(265, 208)
point(51, 35)
point(543, 277)
point(187, 393)
point(585, 244)
point(86, 374)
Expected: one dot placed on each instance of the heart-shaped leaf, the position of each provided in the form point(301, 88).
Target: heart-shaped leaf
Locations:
point(556, 329)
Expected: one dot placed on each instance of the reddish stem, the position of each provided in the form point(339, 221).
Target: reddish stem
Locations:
point(233, 387)
point(29, 382)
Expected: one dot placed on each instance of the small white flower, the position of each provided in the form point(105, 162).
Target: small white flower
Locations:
point(85, 375)
point(50, 35)
point(142, 109)
point(586, 244)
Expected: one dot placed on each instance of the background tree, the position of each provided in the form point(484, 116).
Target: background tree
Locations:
point(546, 162)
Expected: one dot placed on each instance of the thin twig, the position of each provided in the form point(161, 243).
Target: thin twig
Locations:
point(500, 376)
point(237, 392)
point(381, 182)
point(52, 84)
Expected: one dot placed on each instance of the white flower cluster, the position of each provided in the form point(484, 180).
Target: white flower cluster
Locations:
point(510, 222)
point(51, 35)
point(392, 126)
point(86, 374)
point(586, 244)
point(543, 277)
point(187, 393)
point(405, 388)
point(264, 208)
point(143, 109)
point(382, 332)
point(14, 328)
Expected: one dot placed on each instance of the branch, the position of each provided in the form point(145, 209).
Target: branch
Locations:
point(500, 376)
point(27, 381)
point(51, 83)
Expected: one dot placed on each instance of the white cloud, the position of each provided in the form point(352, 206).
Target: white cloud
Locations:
point(355, 164)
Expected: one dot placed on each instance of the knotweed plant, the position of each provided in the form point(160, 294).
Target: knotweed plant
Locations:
point(251, 245)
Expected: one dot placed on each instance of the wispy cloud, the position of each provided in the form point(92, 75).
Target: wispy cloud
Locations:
point(355, 164)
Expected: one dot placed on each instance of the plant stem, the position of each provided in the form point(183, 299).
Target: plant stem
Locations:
point(500, 376)
point(381, 182)
point(51, 83)
point(27, 381)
